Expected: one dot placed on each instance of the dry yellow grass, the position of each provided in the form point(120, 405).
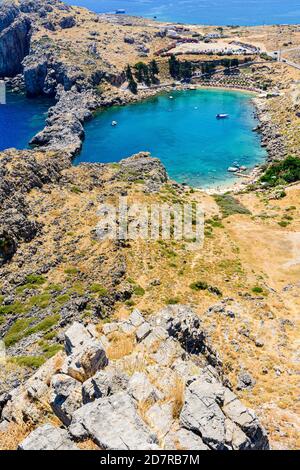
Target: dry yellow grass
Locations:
point(121, 345)
point(14, 434)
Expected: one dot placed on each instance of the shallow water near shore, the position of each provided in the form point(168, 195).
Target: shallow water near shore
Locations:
point(183, 132)
point(218, 12)
point(20, 119)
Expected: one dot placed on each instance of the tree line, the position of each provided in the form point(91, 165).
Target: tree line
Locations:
point(141, 73)
point(183, 70)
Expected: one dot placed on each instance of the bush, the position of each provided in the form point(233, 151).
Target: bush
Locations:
point(138, 290)
point(229, 205)
point(285, 172)
point(202, 285)
point(35, 279)
point(28, 361)
point(257, 290)
point(98, 289)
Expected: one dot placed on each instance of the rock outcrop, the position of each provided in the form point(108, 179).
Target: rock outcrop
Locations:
point(64, 126)
point(119, 413)
point(18, 177)
point(15, 34)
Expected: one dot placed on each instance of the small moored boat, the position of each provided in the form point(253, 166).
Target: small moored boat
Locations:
point(222, 116)
point(114, 123)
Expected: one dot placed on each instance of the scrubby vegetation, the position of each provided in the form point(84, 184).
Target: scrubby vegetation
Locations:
point(230, 205)
point(285, 172)
point(202, 285)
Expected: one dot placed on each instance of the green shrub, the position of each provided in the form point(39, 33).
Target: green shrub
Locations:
point(172, 301)
point(50, 350)
point(257, 290)
point(283, 223)
point(98, 289)
point(76, 190)
point(229, 205)
point(71, 270)
point(63, 299)
point(17, 331)
point(138, 290)
point(33, 362)
point(285, 172)
point(41, 301)
point(202, 285)
point(35, 279)
point(44, 325)
point(15, 308)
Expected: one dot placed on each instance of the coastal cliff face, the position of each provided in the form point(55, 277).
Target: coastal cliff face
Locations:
point(15, 34)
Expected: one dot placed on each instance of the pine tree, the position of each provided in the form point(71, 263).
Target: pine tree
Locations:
point(128, 73)
point(153, 71)
point(174, 67)
point(132, 85)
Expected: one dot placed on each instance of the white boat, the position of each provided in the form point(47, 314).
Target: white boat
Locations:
point(114, 123)
point(233, 169)
point(222, 116)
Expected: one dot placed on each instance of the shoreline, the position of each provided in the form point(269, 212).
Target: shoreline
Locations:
point(147, 93)
point(242, 181)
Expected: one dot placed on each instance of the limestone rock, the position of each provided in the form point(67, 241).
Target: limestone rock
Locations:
point(246, 420)
point(75, 337)
point(15, 34)
point(202, 414)
point(66, 397)
point(48, 437)
point(113, 423)
point(141, 388)
point(97, 386)
point(86, 361)
point(143, 331)
point(160, 418)
point(183, 439)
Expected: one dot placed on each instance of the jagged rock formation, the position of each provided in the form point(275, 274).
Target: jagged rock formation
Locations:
point(15, 34)
point(18, 177)
point(96, 399)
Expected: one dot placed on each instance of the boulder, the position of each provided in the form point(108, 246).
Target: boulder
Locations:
point(113, 423)
point(97, 386)
point(66, 397)
point(104, 383)
point(160, 418)
point(75, 337)
point(67, 22)
point(245, 419)
point(183, 439)
point(246, 381)
point(202, 414)
point(141, 389)
point(86, 361)
point(48, 437)
point(143, 331)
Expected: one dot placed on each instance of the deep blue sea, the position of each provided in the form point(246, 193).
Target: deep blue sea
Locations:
point(182, 132)
point(217, 12)
point(20, 119)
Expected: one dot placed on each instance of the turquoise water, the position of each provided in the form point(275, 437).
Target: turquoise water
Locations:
point(183, 132)
point(218, 12)
point(20, 119)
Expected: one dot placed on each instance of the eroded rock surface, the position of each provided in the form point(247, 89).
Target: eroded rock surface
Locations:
point(141, 412)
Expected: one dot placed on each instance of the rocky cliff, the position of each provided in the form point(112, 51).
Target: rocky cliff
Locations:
point(15, 34)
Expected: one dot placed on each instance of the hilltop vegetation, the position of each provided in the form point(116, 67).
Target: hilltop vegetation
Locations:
point(285, 172)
